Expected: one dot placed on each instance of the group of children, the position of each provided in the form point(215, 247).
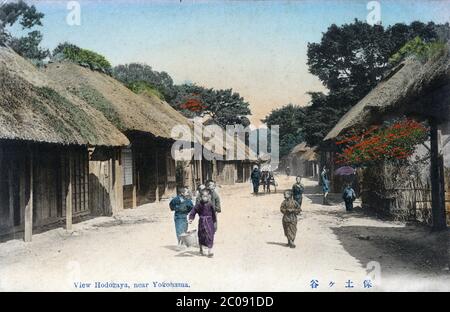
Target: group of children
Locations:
point(207, 206)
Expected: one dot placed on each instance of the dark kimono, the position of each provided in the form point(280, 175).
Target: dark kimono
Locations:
point(207, 218)
point(182, 207)
point(215, 200)
point(297, 192)
point(325, 182)
point(256, 177)
point(349, 197)
point(290, 209)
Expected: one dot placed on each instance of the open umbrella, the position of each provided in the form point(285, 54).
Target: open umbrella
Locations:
point(345, 171)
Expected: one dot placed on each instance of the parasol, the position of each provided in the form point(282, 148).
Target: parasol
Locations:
point(345, 171)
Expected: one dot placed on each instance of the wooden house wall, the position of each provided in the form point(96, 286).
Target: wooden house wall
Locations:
point(447, 193)
point(240, 171)
point(155, 174)
point(44, 169)
point(226, 172)
point(105, 182)
point(207, 170)
point(189, 174)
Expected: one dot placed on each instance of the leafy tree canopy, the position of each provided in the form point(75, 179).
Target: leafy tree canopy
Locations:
point(350, 60)
point(224, 107)
point(137, 73)
point(28, 17)
point(290, 119)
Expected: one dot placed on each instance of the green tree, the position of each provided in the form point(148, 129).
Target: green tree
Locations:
point(28, 17)
point(290, 119)
point(350, 60)
point(137, 73)
point(224, 107)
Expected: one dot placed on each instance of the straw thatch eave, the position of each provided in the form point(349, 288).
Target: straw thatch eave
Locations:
point(34, 108)
point(128, 111)
point(299, 149)
point(310, 154)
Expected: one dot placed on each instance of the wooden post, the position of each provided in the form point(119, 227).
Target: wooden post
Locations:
point(437, 180)
point(157, 175)
point(69, 205)
point(112, 178)
point(29, 205)
point(11, 194)
point(118, 185)
point(200, 170)
point(134, 194)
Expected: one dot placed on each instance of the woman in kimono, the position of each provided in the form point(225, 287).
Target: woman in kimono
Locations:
point(297, 190)
point(290, 209)
point(325, 185)
point(206, 224)
point(181, 205)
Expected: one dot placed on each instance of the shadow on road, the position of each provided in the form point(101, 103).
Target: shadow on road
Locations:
point(411, 248)
point(315, 194)
point(184, 252)
point(277, 244)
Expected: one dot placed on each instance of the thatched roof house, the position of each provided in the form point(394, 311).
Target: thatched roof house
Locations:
point(402, 91)
point(310, 154)
point(45, 133)
point(128, 111)
point(302, 160)
point(299, 148)
point(149, 171)
point(419, 89)
point(35, 108)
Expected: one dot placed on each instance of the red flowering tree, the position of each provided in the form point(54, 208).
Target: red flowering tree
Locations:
point(394, 141)
point(193, 104)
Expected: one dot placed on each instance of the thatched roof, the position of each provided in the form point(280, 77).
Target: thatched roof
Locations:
point(127, 110)
point(407, 89)
point(299, 148)
point(310, 154)
point(36, 108)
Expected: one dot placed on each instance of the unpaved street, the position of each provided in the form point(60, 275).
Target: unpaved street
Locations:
point(337, 249)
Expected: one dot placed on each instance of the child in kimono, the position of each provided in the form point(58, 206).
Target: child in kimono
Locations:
point(349, 196)
point(198, 193)
point(297, 190)
point(181, 205)
point(290, 209)
point(206, 224)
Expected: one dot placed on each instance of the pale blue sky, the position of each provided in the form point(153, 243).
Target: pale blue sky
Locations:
point(256, 47)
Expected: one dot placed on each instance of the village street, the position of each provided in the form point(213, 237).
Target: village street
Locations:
point(138, 246)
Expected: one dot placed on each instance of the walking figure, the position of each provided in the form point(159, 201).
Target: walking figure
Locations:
point(255, 177)
point(325, 185)
point(297, 190)
point(349, 197)
point(290, 210)
point(181, 205)
point(198, 193)
point(270, 181)
point(207, 223)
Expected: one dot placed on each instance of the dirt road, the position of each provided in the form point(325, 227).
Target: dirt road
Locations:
point(136, 251)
